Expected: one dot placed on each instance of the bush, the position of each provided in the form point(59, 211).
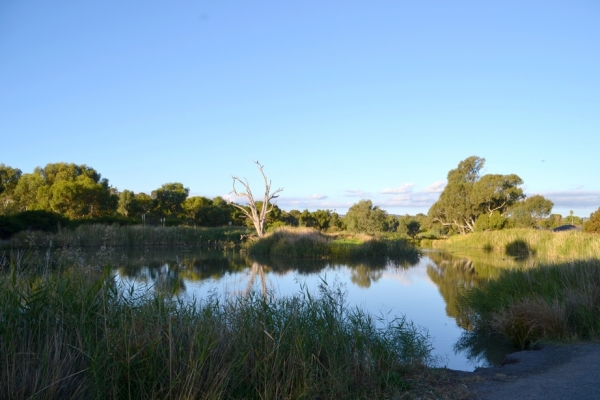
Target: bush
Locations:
point(593, 224)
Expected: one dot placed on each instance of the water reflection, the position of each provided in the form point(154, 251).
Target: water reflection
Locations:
point(425, 290)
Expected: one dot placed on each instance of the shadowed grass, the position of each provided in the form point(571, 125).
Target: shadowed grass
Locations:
point(305, 243)
point(548, 302)
point(76, 335)
point(129, 236)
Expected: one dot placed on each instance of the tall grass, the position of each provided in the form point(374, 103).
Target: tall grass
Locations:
point(547, 245)
point(548, 302)
point(305, 243)
point(132, 235)
point(76, 335)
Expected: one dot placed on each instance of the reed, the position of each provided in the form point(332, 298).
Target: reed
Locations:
point(75, 334)
point(547, 245)
point(132, 235)
point(306, 243)
point(548, 302)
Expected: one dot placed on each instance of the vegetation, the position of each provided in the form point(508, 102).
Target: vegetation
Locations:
point(471, 202)
point(550, 302)
point(593, 224)
point(308, 243)
point(77, 335)
point(128, 236)
point(521, 243)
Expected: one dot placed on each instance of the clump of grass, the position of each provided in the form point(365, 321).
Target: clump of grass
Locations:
point(76, 335)
point(306, 243)
point(548, 245)
point(548, 302)
point(132, 235)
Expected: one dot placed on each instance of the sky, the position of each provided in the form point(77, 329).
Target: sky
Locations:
point(339, 100)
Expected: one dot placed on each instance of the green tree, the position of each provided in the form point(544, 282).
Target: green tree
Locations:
point(530, 211)
point(364, 217)
point(468, 195)
point(9, 178)
point(169, 199)
point(76, 191)
point(593, 224)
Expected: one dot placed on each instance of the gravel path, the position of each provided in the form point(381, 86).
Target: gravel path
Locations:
point(554, 372)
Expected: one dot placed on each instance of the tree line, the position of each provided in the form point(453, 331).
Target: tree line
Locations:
point(469, 202)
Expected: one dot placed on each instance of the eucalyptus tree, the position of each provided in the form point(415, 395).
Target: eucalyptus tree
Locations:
point(255, 213)
point(529, 212)
point(469, 195)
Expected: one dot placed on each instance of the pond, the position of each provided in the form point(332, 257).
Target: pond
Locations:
point(424, 290)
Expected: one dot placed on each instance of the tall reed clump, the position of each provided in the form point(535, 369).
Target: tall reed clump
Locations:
point(74, 335)
point(306, 243)
point(547, 245)
point(548, 302)
point(133, 235)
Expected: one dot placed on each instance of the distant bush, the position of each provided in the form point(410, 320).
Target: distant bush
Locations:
point(593, 224)
point(33, 220)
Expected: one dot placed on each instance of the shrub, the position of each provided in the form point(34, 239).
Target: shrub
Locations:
point(593, 224)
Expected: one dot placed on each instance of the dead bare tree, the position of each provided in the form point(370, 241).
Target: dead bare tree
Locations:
point(258, 217)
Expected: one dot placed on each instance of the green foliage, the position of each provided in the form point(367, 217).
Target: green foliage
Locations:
point(486, 222)
point(408, 226)
point(469, 195)
point(74, 191)
point(528, 213)
point(169, 199)
point(364, 217)
point(34, 220)
point(74, 335)
point(593, 224)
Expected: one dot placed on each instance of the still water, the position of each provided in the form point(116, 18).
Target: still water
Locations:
point(424, 290)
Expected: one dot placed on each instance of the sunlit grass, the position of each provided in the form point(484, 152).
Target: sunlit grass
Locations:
point(546, 245)
point(306, 243)
point(549, 302)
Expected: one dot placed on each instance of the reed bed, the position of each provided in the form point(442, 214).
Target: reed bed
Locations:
point(548, 302)
point(77, 335)
point(547, 245)
point(306, 243)
point(132, 235)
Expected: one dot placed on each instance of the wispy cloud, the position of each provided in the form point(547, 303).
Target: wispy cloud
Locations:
point(317, 197)
point(405, 188)
point(435, 187)
point(356, 193)
point(574, 198)
point(311, 203)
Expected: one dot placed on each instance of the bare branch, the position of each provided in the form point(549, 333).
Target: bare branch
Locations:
point(257, 218)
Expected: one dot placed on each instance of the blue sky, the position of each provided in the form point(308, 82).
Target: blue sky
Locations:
point(340, 100)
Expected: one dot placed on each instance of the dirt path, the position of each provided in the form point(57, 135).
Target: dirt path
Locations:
point(554, 372)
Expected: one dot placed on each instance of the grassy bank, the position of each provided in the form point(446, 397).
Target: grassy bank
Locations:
point(546, 245)
point(129, 236)
point(73, 335)
point(304, 243)
point(549, 302)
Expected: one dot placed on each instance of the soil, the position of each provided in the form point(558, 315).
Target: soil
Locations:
point(570, 371)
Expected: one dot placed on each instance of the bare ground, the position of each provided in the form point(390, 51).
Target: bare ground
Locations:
point(569, 371)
